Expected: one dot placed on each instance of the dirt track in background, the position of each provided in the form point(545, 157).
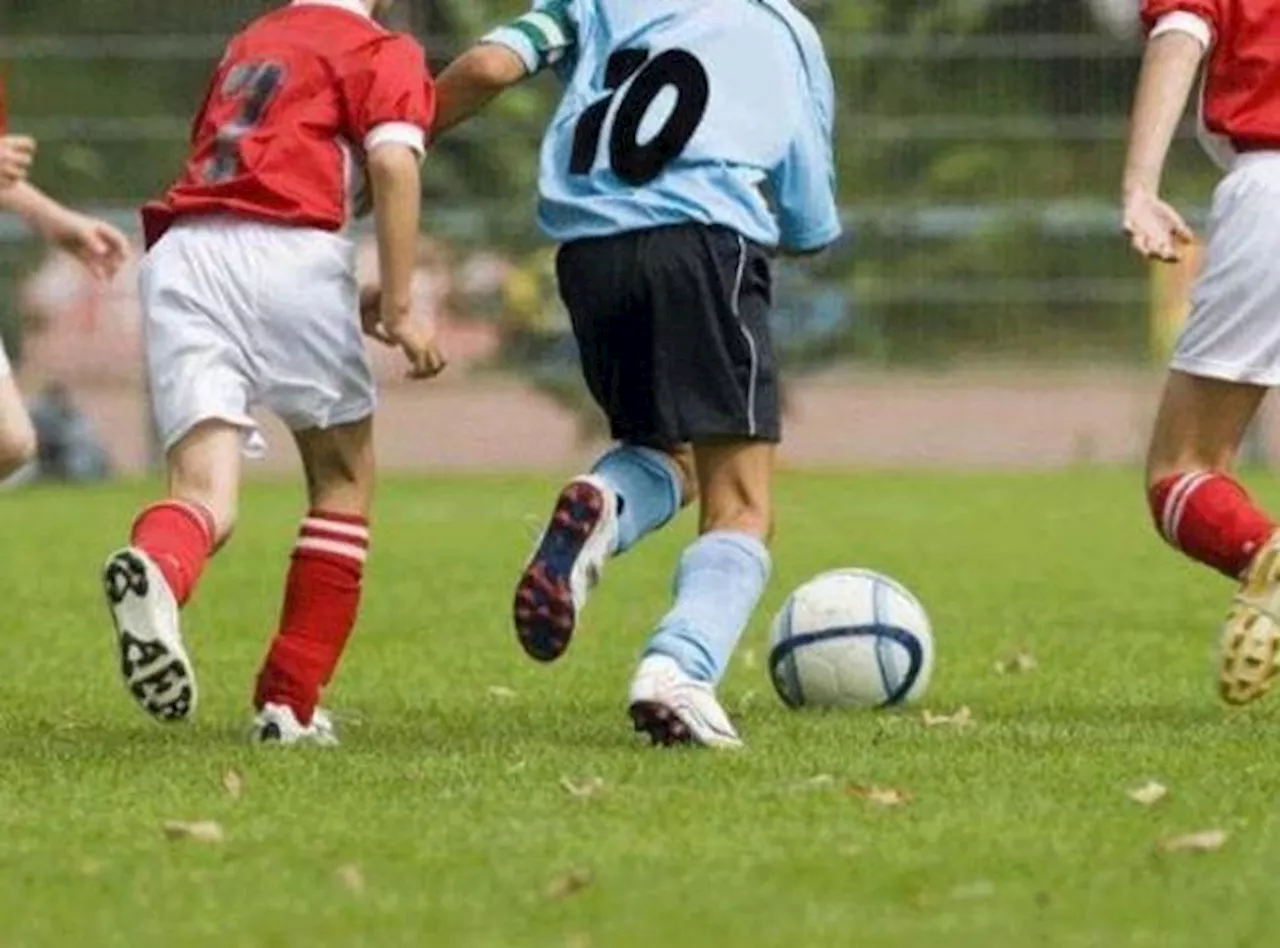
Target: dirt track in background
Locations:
point(1000, 421)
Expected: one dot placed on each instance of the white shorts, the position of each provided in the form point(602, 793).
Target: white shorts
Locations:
point(239, 314)
point(1233, 332)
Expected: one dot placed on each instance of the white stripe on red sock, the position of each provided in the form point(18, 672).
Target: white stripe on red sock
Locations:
point(323, 526)
point(1176, 504)
point(349, 551)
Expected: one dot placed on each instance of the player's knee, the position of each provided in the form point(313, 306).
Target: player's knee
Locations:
point(17, 448)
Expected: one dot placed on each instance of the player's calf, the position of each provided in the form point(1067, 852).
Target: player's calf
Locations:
point(326, 571)
point(148, 582)
point(1210, 517)
point(719, 582)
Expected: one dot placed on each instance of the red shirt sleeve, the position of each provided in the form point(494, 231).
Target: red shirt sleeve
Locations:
point(387, 82)
point(1155, 10)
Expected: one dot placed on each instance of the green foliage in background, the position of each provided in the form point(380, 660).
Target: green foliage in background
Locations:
point(924, 122)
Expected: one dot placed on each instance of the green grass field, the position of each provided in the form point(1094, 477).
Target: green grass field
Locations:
point(443, 819)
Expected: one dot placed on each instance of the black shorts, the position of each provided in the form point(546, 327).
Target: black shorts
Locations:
point(673, 330)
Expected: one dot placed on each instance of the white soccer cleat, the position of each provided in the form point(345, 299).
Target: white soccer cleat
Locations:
point(1251, 636)
point(567, 563)
point(672, 707)
point(153, 661)
point(277, 724)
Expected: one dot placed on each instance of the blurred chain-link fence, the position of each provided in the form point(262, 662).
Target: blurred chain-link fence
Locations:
point(980, 146)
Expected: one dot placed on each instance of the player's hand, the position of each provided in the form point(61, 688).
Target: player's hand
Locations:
point(418, 343)
point(96, 244)
point(1155, 229)
point(393, 329)
point(17, 152)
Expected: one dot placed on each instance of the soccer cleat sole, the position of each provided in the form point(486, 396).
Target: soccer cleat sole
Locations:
point(1250, 656)
point(544, 612)
point(159, 677)
point(660, 723)
point(1251, 636)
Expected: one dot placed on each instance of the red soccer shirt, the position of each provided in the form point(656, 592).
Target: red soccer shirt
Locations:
point(299, 96)
point(1242, 80)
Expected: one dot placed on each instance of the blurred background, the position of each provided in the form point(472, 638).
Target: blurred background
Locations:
point(982, 310)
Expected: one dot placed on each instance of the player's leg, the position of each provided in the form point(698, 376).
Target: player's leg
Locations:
point(322, 591)
point(719, 581)
point(1226, 359)
point(316, 377)
point(199, 386)
point(149, 581)
point(1197, 504)
point(633, 489)
point(17, 436)
point(718, 385)
point(1202, 510)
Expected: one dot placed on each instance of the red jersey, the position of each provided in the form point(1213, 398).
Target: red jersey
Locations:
point(1242, 79)
point(301, 94)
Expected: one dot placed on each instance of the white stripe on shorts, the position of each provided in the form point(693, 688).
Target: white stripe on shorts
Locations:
point(746, 334)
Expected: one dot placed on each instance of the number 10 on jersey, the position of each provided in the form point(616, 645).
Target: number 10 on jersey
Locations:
point(635, 163)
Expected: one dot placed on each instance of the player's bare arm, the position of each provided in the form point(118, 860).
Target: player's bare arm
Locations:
point(396, 181)
point(17, 153)
point(1169, 70)
point(473, 80)
point(99, 246)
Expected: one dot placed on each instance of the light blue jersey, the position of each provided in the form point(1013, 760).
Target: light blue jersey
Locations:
point(679, 111)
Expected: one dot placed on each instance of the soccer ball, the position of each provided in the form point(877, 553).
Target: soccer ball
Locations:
point(851, 638)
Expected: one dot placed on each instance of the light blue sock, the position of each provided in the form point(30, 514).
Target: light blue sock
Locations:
point(718, 584)
point(648, 486)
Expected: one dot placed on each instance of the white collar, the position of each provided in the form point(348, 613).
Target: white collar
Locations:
point(351, 6)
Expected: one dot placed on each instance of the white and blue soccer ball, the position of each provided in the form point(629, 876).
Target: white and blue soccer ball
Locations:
point(851, 638)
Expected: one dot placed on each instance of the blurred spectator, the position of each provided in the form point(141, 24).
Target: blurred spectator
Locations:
point(69, 448)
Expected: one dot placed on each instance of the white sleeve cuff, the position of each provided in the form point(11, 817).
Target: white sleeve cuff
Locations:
point(1180, 21)
point(397, 133)
point(518, 43)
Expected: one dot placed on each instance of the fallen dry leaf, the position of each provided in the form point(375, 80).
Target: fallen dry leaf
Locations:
point(962, 717)
point(817, 781)
point(350, 877)
point(516, 766)
point(583, 790)
point(501, 693)
point(1202, 842)
point(201, 831)
point(568, 883)
point(1017, 665)
point(1149, 793)
point(881, 796)
point(233, 783)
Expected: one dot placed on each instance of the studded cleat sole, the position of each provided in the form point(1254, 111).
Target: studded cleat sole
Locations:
point(545, 611)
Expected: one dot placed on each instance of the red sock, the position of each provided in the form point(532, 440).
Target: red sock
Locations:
point(178, 536)
point(322, 596)
point(1210, 518)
